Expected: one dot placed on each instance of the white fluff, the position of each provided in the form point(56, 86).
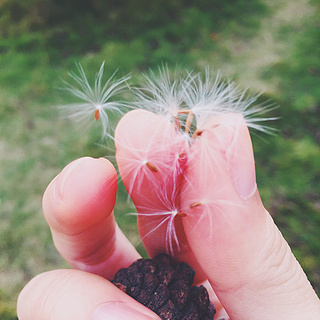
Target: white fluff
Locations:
point(170, 95)
point(205, 96)
point(95, 98)
point(160, 94)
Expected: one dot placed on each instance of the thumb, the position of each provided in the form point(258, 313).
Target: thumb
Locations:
point(75, 294)
point(247, 261)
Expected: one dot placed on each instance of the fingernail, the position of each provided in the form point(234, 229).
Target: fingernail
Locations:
point(241, 161)
point(119, 311)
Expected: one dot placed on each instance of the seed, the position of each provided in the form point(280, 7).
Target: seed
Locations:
point(197, 133)
point(97, 114)
point(188, 122)
point(152, 167)
point(184, 111)
point(194, 205)
point(177, 123)
point(181, 214)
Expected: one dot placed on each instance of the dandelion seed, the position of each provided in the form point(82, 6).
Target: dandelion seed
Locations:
point(160, 94)
point(96, 97)
point(194, 205)
point(192, 101)
point(152, 167)
point(211, 97)
point(97, 114)
point(181, 214)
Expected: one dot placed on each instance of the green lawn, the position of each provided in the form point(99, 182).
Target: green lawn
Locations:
point(270, 46)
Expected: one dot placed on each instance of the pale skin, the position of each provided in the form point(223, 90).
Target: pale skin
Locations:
point(250, 268)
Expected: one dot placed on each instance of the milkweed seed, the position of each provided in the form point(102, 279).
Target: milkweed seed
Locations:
point(194, 205)
point(152, 167)
point(97, 114)
point(181, 214)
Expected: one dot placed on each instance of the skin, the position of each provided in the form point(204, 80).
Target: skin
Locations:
point(244, 260)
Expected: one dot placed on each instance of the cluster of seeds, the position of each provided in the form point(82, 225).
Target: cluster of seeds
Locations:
point(166, 288)
point(190, 96)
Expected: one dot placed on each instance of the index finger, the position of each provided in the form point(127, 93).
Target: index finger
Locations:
point(78, 206)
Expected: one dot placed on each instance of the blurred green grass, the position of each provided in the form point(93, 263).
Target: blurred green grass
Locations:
point(270, 46)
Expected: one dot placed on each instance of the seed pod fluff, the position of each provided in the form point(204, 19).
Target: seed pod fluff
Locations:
point(96, 99)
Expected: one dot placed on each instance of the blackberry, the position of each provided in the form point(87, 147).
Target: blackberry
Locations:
point(166, 288)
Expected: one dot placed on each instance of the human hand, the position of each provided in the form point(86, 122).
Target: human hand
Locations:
point(246, 260)
point(78, 206)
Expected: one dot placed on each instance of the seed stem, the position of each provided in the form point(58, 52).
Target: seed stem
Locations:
point(177, 123)
point(188, 120)
point(184, 111)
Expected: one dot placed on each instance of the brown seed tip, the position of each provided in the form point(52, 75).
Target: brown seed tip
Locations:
point(181, 214)
point(194, 205)
point(152, 167)
point(197, 133)
point(97, 114)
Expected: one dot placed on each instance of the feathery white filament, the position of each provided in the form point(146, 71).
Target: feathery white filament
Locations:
point(165, 219)
point(211, 97)
point(172, 96)
point(206, 97)
point(160, 94)
point(97, 104)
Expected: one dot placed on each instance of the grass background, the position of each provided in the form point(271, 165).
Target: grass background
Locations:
point(267, 45)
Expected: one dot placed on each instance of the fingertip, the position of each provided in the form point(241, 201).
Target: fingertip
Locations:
point(81, 195)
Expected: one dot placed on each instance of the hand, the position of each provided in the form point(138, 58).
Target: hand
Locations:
point(248, 263)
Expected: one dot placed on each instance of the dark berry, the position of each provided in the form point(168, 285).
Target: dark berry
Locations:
point(166, 288)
